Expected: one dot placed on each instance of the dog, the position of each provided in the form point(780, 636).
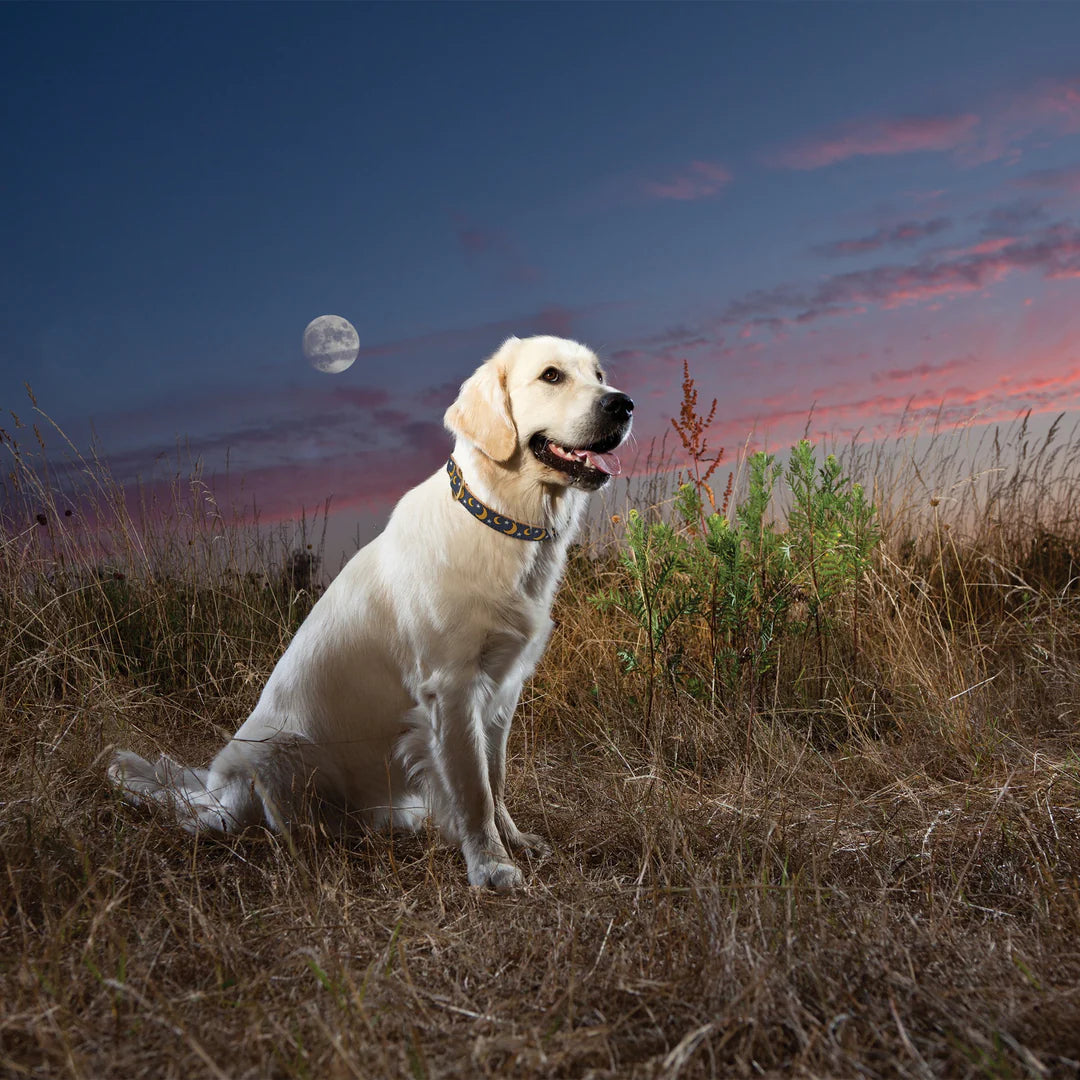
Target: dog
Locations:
point(393, 702)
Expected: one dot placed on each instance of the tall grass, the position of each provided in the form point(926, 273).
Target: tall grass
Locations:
point(848, 846)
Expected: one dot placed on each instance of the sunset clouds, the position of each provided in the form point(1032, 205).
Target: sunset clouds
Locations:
point(841, 217)
point(998, 129)
point(844, 395)
point(495, 248)
point(698, 180)
point(878, 137)
point(905, 234)
point(1066, 180)
point(1053, 253)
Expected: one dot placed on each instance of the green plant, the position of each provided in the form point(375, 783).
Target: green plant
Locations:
point(832, 532)
point(740, 577)
point(656, 596)
point(712, 597)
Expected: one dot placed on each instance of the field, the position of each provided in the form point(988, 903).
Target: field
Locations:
point(811, 774)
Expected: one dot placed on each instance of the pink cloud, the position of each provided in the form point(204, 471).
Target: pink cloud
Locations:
point(1037, 383)
point(997, 131)
point(698, 180)
point(206, 422)
point(1054, 252)
point(841, 409)
point(880, 137)
point(899, 373)
point(1066, 180)
point(280, 492)
point(656, 361)
point(437, 398)
point(493, 246)
point(1050, 107)
point(877, 412)
point(904, 234)
point(924, 370)
point(985, 247)
point(352, 475)
point(1061, 100)
point(360, 397)
point(1052, 385)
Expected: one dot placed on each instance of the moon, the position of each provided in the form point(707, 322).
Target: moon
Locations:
point(331, 344)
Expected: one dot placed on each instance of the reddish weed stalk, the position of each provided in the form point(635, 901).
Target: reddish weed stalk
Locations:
point(692, 428)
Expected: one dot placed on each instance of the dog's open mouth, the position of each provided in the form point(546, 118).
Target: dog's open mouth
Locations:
point(586, 466)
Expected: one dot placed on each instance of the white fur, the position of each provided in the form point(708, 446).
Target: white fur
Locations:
point(395, 697)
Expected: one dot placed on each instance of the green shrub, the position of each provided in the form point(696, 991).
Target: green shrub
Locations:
point(712, 596)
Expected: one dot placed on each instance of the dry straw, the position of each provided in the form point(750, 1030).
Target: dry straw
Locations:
point(862, 861)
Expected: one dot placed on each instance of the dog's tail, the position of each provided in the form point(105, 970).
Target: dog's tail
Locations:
point(200, 802)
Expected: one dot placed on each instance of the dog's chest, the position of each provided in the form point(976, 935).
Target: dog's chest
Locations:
point(523, 613)
point(538, 578)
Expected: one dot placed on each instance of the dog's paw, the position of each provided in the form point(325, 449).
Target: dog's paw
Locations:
point(530, 842)
point(126, 764)
point(514, 838)
point(133, 775)
point(503, 877)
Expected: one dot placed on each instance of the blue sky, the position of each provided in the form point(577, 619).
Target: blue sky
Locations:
point(873, 209)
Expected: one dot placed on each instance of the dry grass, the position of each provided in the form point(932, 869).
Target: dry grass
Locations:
point(878, 881)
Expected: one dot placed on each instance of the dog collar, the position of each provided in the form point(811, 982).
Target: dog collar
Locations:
point(507, 526)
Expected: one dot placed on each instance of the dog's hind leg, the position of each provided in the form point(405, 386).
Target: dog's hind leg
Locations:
point(201, 801)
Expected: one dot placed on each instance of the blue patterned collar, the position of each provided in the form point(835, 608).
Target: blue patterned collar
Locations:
point(507, 526)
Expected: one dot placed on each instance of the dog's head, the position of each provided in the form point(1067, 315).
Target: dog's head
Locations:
point(546, 399)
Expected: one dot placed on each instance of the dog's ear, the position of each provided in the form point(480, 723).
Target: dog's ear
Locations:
point(481, 413)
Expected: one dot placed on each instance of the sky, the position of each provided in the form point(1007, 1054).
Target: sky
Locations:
point(870, 212)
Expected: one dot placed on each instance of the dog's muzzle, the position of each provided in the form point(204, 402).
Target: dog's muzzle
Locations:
point(591, 465)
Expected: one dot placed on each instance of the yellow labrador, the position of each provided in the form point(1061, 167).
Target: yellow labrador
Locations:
point(394, 699)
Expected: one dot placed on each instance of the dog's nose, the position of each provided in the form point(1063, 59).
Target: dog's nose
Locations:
point(617, 405)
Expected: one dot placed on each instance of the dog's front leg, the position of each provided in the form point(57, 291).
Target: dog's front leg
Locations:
point(513, 837)
point(498, 732)
point(461, 769)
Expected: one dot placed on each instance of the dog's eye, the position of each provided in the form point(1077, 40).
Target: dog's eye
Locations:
point(599, 375)
point(552, 375)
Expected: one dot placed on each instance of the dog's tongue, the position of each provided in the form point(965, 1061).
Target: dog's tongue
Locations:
point(607, 463)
